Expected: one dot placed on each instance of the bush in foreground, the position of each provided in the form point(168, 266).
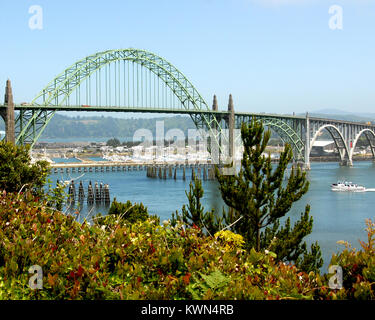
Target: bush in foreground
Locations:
point(144, 260)
point(17, 173)
point(358, 267)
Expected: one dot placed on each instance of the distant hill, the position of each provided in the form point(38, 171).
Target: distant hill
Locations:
point(101, 127)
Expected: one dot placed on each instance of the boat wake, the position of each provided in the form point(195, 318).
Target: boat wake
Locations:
point(370, 190)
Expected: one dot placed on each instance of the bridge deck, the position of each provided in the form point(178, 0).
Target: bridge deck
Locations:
point(177, 111)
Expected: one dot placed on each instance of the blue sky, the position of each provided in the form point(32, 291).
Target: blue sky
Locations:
point(272, 55)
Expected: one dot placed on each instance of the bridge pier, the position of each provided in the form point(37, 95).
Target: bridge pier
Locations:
point(301, 165)
point(346, 163)
point(8, 114)
point(306, 165)
point(215, 108)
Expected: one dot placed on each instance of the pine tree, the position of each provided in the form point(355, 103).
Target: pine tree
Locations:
point(194, 214)
point(258, 197)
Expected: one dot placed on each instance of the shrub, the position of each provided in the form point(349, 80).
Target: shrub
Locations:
point(128, 211)
point(16, 171)
point(138, 260)
point(144, 260)
point(358, 267)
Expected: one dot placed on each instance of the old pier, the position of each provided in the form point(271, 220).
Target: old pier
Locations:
point(97, 195)
point(205, 171)
point(200, 171)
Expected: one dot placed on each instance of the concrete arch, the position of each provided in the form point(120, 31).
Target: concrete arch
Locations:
point(339, 140)
point(367, 133)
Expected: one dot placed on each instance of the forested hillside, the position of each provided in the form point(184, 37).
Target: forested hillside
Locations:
point(69, 127)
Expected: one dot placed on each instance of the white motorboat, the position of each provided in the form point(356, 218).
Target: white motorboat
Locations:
point(347, 186)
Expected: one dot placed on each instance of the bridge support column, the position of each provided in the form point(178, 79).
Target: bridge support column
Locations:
point(346, 154)
point(307, 143)
point(8, 114)
point(216, 157)
point(346, 162)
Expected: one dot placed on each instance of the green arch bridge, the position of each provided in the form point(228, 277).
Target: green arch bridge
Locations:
point(133, 80)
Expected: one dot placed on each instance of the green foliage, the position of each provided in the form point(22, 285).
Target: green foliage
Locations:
point(208, 284)
point(140, 260)
point(16, 171)
point(55, 196)
point(358, 268)
point(144, 260)
point(194, 214)
point(126, 212)
point(114, 142)
point(259, 198)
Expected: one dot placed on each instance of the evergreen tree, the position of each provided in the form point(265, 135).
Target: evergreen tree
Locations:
point(114, 142)
point(258, 199)
point(193, 214)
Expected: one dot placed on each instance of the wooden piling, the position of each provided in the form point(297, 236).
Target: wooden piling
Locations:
point(170, 172)
point(90, 194)
point(97, 194)
point(107, 198)
point(72, 192)
point(81, 192)
point(101, 192)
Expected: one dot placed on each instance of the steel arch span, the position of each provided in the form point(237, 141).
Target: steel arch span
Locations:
point(124, 77)
point(288, 135)
point(287, 129)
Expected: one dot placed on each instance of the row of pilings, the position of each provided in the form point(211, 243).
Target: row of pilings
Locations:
point(99, 194)
point(99, 168)
point(132, 167)
point(205, 172)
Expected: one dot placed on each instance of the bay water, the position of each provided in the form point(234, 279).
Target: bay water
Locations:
point(337, 215)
